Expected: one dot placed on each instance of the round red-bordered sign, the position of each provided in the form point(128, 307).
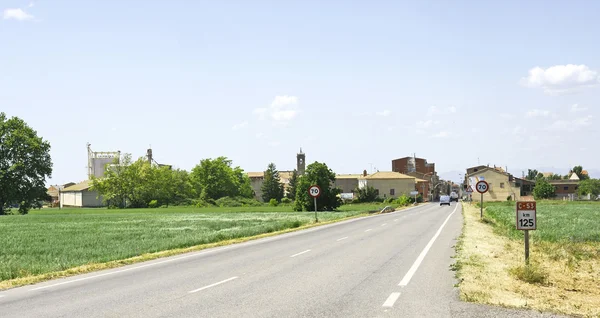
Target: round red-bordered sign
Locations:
point(482, 187)
point(314, 191)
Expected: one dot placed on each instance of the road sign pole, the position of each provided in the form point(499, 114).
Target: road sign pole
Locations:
point(527, 247)
point(481, 207)
point(316, 217)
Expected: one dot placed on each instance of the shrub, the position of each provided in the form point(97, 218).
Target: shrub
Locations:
point(236, 202)
point(509, 198)
point(273, 202)
point(531, 273)
point(366, 194)
point(286, 201)
point(389, 200)
point(404, 200)
point(153, 204)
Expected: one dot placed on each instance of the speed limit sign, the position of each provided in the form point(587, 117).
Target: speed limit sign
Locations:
point(314, 191)
point(482, 187)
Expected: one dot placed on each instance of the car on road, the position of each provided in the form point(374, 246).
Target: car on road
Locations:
point(445, 199)
point(453, 196)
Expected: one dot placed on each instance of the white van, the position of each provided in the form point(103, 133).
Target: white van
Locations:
point(445, 199)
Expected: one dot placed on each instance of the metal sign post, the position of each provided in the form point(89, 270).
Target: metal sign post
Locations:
point(315, 191)
point(415, 193)
point(526, 220)
point(482, 187)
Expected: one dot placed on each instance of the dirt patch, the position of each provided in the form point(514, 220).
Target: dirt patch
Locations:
point(562, 277)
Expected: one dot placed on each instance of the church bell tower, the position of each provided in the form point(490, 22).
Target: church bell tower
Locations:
point(300, 162)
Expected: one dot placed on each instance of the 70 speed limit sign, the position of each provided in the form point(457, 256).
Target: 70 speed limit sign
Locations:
point(314, 191)
point(482, 187)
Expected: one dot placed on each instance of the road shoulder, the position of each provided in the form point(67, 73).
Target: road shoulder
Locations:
point(486, 263)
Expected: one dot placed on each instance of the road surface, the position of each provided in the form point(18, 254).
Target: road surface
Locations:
point(390, 265)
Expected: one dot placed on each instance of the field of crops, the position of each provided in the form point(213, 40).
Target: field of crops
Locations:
point(50, 240)
point(557, 221)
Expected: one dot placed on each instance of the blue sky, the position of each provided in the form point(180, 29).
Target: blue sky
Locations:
point(354, 83)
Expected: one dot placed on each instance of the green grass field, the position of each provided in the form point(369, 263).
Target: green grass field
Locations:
point(557, 221)
point(50, 240)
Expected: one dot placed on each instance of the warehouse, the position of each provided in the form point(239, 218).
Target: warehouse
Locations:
point(80, 195)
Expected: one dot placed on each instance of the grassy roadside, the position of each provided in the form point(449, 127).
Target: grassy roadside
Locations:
point(564, 276)
point(53, 244)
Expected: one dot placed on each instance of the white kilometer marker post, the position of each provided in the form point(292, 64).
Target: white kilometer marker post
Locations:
point(213, 285)
point(300, 253)
point(391, 300)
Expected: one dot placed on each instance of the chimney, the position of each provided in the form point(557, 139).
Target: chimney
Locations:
point(364, 173)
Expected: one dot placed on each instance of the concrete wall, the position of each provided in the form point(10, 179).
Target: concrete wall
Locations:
point(70, 199)
point(88, 199)
point(256, 183)
point(500, 187)
point(400, 186)
point(347, 185)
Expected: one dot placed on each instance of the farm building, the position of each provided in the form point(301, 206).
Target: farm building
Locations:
point(389, 184)
point(80, 195)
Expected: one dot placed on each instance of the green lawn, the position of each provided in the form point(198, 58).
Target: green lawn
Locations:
point(50, 240)
point(557, 221)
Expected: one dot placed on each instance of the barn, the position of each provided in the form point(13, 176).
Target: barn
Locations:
point(80, 195)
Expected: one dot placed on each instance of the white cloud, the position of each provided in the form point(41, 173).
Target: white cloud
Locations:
point(239, 126)
point(571, 125)
point(30, 5)
point(561, 78)
point(384, 113)
point(427, 123)
point(17, 14)
point(441, 134)
point(576, 108)
point(537, 113)
point(434, 110)
point(282, 110)
point(506, 116)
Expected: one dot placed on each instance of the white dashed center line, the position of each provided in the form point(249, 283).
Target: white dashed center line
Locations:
point(300, 253)
point(391, 300)
point(343, 238)
point(213, 285)
point(384, 224)
point(368, 230)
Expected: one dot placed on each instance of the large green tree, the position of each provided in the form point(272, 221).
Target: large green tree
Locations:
point(272, 188)
point(216, 178)
point(25, 164)
point(543, 190)
point(319, 174)
point(589, 186)
point(532, 174)
point(292, 186)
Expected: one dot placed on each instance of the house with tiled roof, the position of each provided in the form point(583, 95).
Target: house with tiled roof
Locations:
point(389, 184)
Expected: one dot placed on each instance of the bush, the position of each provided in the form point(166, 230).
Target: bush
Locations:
point(389, 200)
point(273, 202)
point(404, 200)
point(531, 273)
point(153, 204)
point(286, 201)
point(366, 194)
point(509, 198)
point(419, 199)
point(236, 202)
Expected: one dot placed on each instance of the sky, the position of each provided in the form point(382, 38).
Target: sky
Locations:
point(354, 83)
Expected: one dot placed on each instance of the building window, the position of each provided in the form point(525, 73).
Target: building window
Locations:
point(392, 191)
point(377, 191)
point(502, 185)
point(566, 188)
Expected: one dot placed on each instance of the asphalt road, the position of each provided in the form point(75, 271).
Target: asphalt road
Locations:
point(391, 265)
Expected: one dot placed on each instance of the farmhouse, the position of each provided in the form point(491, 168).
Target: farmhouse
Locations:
point(501, 184)
point(389, 184)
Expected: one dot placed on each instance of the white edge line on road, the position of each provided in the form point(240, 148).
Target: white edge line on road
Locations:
point(300, 253)
point(413, 269)
point(368, 230)
point(213, 285)
point(384, 224)
point(396, 220)
point(343, 238)
point(176, 258)
point(391, 300)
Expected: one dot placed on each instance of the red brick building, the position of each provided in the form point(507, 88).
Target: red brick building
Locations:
point(413, 164)
point(565, 188)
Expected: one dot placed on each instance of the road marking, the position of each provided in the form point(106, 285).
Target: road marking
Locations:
point(384, 224)
point(391, 300)
point(413, 269)
point(300, 253)
point(343, 238)
point(396, 220)
point(213, 285)
point(1, 296)
point(368, 230)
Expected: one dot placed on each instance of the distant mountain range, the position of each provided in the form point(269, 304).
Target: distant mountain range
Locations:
point(456, 175)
